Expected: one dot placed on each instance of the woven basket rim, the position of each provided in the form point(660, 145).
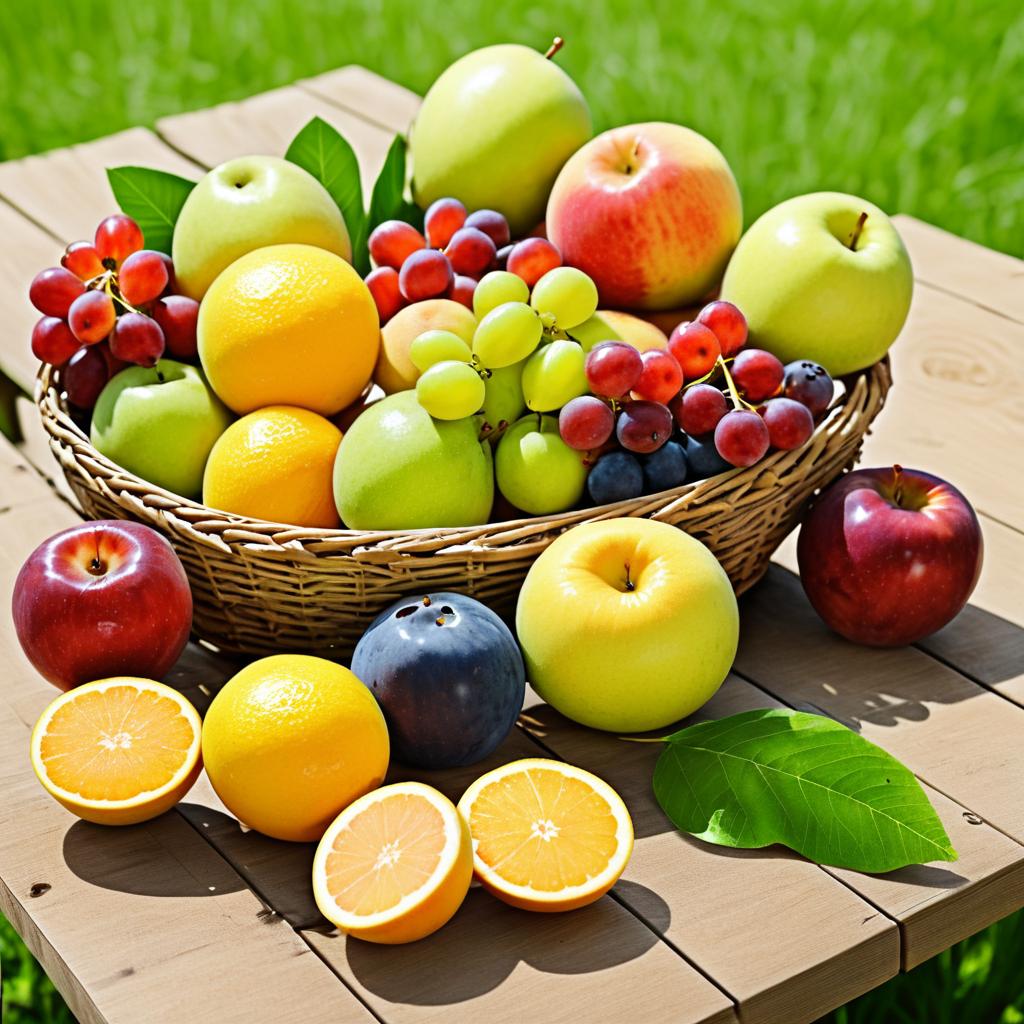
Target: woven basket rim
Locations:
point(73, 449)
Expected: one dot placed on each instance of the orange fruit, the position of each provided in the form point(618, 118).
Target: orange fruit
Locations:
point(546, 835)
point(275, 464)
point(117, 751)
point(290, 741)
point(288, 325)
point(395, 865)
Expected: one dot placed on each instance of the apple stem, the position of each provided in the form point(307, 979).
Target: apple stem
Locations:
point(857, 229)
point(556, 44)
point(96, 566)
point(897, 484)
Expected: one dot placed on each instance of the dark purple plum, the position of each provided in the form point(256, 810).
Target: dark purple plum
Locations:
point(448, 676)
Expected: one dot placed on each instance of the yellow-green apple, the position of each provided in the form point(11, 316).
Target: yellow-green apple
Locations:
point(823, 277)
point(494, 131)
point(246, 204)
point(888, 556)
point(395, 370)
point(536, 470)
point(160, 422)
point(614, 325)
point(650, 211)
point(627, 624)
point(399, 469)
point(102, 599)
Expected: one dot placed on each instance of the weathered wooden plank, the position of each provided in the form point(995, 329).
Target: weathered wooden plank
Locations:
point(366, 95)
point(962, 739)
point(722, 903)
point(66, 190)
point(981, 276)
point(955, 406)
point(986, 641)
point(20, 484)
point(265, 124)
point(118, 917)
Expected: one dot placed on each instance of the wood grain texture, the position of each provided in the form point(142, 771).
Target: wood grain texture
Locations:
point(962, 739)
point(118, 916)
point(722, 903)
point(66, 190)
point(956, 408)
point(265, 124)
point(982, 276)
point(366, 95)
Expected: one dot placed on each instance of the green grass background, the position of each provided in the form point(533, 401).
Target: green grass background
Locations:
point(917, 106)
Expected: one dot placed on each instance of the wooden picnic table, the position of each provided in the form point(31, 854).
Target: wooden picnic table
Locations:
point(190, 917)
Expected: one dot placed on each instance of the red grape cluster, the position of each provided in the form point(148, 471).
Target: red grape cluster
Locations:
point(447, 260)
point(109, 303)
point(704, 405)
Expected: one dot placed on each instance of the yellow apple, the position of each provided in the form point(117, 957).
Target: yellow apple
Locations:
point(627, 624)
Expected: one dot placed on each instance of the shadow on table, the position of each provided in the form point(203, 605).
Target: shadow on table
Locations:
point(493, 939)
point(133, 859)
point(787, 649)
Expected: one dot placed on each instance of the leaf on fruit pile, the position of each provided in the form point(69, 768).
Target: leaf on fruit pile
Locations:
point(388, 201)
point(153, 199)
point(323, 151)
point(780, 776)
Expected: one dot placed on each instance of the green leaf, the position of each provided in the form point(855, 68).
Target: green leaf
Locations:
point(323, 151)
point(781, 776)
point(153, 199)
point(388, 200)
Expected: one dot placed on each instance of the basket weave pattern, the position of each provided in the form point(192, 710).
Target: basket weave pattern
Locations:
point(262, 588)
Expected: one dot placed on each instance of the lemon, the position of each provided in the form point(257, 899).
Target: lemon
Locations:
point(288, 325)
point(275, 464)
point(292, 740)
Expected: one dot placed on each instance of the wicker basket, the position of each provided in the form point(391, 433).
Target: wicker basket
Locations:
point(264, 588)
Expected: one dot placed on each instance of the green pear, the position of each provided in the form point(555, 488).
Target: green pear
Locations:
point(823, 277)
point(246, 204)
point(494, 131)
point(399, 469)
point(160, 422)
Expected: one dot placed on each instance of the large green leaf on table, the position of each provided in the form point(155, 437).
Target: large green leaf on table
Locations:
point(153, 199)
point(780, 776)
point(323, 151)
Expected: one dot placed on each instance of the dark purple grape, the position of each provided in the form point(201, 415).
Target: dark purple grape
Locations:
point(644, 426)
point(809, 384)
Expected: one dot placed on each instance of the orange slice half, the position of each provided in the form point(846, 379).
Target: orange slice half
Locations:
point(546, 835)
point(118, 751)
point(395, 865)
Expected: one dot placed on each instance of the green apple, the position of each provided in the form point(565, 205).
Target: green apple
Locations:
point(823, 277)
point(494, 131)
point(627, 624)
point(246, 204)
point(536, 470)
point(160, 422)
point(399, 469)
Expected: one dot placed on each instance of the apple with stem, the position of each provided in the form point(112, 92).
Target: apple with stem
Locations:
point(888, 556)
point(102, 599)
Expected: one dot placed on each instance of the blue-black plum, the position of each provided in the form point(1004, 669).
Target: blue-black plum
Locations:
point(703, 459)
point(665, 468)
point(616, 476)
point(448, 676)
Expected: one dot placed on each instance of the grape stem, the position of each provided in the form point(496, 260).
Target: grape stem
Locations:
point(737, 401)
point(556, 44)
point(108, 287)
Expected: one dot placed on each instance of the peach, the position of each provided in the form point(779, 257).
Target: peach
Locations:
point(650, 211)
point(395, 370)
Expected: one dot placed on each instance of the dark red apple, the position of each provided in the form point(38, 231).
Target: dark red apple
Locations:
point(888, 556)
point(102, 599)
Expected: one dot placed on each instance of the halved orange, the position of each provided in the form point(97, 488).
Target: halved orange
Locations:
point(118, 751)
point(546, 835)
point(395, 865)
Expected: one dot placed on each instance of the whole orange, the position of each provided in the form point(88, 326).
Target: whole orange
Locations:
point(275, 464)
point(288, 325)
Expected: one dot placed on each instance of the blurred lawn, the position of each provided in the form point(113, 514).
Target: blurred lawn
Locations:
point(916, 106)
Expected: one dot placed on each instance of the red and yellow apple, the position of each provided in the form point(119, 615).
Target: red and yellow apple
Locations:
point(627, 624)
point(888, 556)
point(102, 599)
point(650, 211)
